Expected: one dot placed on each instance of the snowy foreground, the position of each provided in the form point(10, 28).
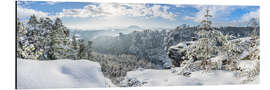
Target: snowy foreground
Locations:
point(169, 77)
point(87, 74)
point(60, 74)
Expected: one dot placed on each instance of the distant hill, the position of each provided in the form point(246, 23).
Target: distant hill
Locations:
point(93, 34)
point(134, 27)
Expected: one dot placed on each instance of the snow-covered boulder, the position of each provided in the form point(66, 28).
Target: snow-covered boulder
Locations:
point(60, 74)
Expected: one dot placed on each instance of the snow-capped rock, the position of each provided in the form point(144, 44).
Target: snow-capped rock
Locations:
point(178, 52)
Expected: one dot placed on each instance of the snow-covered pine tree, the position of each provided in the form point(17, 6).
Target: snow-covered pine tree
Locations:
point(82, 49)
point(254, 23)
point(21, 38)
point(255, 40)
point(44, 36)
point(41, 39)
point(206, 41)
point(230, 50)
point(31, 44)
point(254, 54)
point(75, 47)
point(60, 41)
point(89, 50)
point(206, 47)
point(33, 22)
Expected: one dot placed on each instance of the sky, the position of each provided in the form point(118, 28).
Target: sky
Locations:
point(93, 15)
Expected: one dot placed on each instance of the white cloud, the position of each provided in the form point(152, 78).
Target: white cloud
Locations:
point(215, 11)
point(25, 12)
point(220, 13)
point(189, 18)
point(51, 2)
point(116, 9)
point(114, 22)
point(108, 15)
point(246, 17)
point(243, 21)
point(179, 6)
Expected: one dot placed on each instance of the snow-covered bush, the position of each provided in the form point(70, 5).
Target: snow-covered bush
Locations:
point(133, 82)
point(250, 64)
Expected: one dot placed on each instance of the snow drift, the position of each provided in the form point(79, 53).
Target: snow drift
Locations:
point(60, 74)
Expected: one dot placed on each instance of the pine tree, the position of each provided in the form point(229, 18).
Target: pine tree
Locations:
point(230, 50)
point(82, 49)
point(59, 44)
point(21, 38)
point(204, 41)
point(28, 39)
point(206, 23)
point(74, 48)
point(44, 36)
point(206, 47)
point(43, 39)
point(33, 21)
point(89, 50)
point(254, 23)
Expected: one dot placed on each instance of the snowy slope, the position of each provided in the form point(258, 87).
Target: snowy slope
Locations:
point(60, 74)
point(150, 77)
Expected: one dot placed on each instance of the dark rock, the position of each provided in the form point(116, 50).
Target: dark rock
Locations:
point(186, 74)
point(177, 53)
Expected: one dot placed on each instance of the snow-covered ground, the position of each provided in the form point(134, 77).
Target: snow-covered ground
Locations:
point(148, 77)
point(60, 74)
point(86, 74)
